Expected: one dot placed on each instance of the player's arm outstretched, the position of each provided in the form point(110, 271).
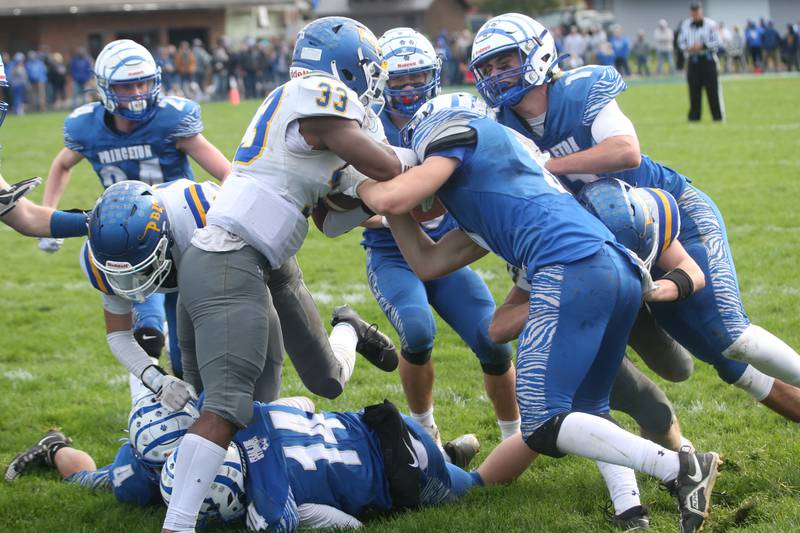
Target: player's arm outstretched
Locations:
point(174, 393)
point(34, 220)
point(429, 259)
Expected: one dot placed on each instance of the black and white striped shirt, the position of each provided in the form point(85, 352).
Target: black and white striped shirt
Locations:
point(705, 33)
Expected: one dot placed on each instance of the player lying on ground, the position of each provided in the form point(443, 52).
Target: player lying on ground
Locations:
point(575, 117)
point(587, 289)
point(322, 470)
point(330, 495)
point(137, 238)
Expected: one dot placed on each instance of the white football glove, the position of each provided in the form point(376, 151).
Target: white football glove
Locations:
point(50, 245)
point(348, 180)
point(408, 158)
point(11, 195)
point(173, 393)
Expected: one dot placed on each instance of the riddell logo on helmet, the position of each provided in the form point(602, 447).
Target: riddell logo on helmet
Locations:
point(137, 73)
point(405, 65)
point(482, 50)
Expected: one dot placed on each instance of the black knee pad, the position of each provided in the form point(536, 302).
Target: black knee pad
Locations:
point(418, 358)
point(495, 369)
point(151, 340)
point(543, 440)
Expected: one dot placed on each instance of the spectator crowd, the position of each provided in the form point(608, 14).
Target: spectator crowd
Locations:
point(44, 80)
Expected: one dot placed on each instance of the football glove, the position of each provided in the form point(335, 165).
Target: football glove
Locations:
point(11, 195)
point(173, 393)
point(50, 245)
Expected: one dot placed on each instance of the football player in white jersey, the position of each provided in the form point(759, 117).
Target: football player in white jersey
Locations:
point(303, 133)
point(137, 237)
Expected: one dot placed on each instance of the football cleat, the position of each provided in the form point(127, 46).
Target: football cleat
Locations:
point(693, 486)
point(462, 449)
point(43, 452)
point(634, 519)
point(372, 344)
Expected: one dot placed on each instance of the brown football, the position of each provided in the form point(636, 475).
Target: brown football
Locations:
point(341, 202)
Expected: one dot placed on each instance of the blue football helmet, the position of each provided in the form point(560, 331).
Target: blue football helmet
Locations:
point(156, 431)
point(407, 51)
point(624, 213)
point(225, 501)
point(125, 62)
point(346, 49)
point(129, 239)
point(3, 83)
point(536, 52)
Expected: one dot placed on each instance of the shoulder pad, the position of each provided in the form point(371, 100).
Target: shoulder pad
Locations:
point(92, 273)
point(454, 137)
point(606, 85)
point(180, 116)
point(319, 95)
point(77, 126)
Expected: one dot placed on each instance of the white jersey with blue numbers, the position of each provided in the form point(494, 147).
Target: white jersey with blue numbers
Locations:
point(186, 203)
point(510, 205)
point(148, 153)
point(295, 457)
point(276, 178)
point(573, 102)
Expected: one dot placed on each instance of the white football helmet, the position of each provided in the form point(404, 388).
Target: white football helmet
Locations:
point(536, 49)
point(447, 114)
point(406, 51)
point(123, 62)
point(225, 501)
point(155, 431)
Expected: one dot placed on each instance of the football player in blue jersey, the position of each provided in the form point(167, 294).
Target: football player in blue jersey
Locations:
point(462, 299)
point(304, 469)
point(647, 222)
point(575, 117)
point(586, 289)
point(135, 133)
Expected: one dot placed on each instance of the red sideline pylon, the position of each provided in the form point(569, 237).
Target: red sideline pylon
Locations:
point(233, 92)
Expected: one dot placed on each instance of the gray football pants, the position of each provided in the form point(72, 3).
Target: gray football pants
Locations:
point(228, 330)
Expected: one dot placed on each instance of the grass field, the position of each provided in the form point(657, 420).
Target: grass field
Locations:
point(55, 367)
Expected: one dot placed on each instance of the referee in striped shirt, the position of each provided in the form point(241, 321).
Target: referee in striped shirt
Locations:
point(699, 39)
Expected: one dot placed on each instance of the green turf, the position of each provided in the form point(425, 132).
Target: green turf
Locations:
point(55, 368)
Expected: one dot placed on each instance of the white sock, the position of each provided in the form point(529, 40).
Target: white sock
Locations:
point(343, 340)
point(755, 383)
point(137, 387)
point(508, 427)
point(195, 469)
point(622, 487)
point(600, 439)
point(767, 353)
point(424, 419)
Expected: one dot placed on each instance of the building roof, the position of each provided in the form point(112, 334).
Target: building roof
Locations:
point(43, 7)
point(370, 7)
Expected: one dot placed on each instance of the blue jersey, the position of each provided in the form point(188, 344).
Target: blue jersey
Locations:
point(148, 153)
point(129, 478)
point(295, 457)
point(382, 237)
point(573, 102)
point(509, 205)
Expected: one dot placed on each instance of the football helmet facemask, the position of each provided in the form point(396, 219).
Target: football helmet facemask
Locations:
point(408, 52)
point(120, 69)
